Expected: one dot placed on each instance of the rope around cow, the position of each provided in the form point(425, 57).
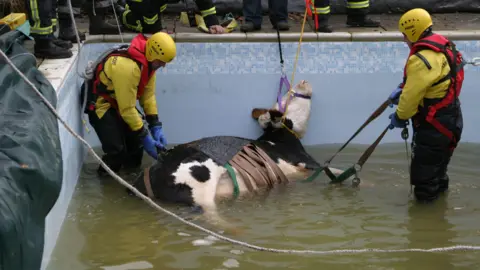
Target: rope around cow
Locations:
point(221, 237)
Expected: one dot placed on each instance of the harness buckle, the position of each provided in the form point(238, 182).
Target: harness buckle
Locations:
point(356, 179)
point(405, 133)
point(475, 61)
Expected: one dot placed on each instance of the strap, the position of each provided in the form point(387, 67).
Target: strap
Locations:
point(372, 117)
point(313, 176)
point(353, 170)
point(236, 189)
point(146, 181)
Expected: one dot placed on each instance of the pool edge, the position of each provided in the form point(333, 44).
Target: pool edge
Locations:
point(288, 37)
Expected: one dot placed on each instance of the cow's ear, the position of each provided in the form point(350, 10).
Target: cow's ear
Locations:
point(257, 112)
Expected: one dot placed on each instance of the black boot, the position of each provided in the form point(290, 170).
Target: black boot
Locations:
point(282, 26)
point(97, 24)
point(66, 30)
point(249, 27)
point(358, 18)
point(323, 26)
point(46, 48)
point(62, 43)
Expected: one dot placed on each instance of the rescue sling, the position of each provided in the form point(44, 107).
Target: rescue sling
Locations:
point(95, 88)
point(456, 76)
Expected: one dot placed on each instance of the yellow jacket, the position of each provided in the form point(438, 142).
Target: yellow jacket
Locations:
point(122, 77)
point(420, 80)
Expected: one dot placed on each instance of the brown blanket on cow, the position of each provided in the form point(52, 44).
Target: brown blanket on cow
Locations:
point(257, 168)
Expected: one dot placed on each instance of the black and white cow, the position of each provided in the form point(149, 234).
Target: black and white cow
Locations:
point(186, 175)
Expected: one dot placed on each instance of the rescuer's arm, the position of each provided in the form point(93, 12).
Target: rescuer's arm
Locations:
point(148, 101)
point(125, 76)
point(419, 79)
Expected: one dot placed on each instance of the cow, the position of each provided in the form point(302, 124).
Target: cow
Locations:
point(195, 174)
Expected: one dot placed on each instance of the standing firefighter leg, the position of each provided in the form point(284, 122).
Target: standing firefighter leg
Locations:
point(322, 9)
point(143, 16)
point(65, 23)
point(98, 25)
point(40, 17)
point(431, 153)
point(357, 14)
point(278, 13)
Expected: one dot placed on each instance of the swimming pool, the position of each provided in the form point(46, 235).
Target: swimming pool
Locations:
point(211, 88)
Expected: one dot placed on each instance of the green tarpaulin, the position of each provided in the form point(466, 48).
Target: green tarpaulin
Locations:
point(30, 158)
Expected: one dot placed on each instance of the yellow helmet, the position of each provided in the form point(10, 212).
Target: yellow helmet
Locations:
point(160, 46)
point(414, 22)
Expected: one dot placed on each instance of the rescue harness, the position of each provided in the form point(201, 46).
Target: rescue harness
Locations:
point(96, 88)
point(456, 76)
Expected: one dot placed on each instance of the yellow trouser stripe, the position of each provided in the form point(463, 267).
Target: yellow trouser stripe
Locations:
point(35, 15)
point(162, 8)
point(137, 27)
point(321, 10)
point(361, 4)
point(42, 30)
point(152, 20)
point(210, 11)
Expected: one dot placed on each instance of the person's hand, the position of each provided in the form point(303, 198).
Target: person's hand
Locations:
point(150, 145)
point(395, 96)
point(216, 29)
point(395, 122)
point(157, 134)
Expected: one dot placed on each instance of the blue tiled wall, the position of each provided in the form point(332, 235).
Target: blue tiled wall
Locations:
point(314, 57)
point(208, 82)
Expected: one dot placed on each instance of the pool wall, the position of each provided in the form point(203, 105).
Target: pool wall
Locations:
point(211, 88)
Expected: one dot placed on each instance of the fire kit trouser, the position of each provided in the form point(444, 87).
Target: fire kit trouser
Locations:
point(41, 13)
point(354, 7)
point(121, 145)
point(278, 11)
point(431, 153)
point(145, 16)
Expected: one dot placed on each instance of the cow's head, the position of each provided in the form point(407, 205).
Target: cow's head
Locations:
point(297, 112)
point(281, 137)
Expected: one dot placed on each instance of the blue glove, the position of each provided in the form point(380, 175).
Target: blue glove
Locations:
point(395, 96)
point(395, 122)
point(150, 145)
point(157, 133)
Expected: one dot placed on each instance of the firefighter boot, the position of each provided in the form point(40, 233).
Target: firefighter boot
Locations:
point(323, 26)
point(98, 25)
point(358, 18)
point(66, 30)
point(46, 48)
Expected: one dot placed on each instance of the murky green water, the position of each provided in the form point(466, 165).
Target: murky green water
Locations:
point(107, 229)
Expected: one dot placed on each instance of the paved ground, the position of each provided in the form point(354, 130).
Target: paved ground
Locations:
point(456, 21)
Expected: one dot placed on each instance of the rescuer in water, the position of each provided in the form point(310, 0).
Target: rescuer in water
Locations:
point(120, 77)
point(433, 78)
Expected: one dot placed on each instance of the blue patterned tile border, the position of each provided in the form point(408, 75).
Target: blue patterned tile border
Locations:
point(263, 58)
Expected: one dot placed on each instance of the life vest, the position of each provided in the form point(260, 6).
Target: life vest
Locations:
point(136, 52)
point(439, 43)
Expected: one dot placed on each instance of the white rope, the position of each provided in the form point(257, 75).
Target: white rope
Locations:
point(221, 237)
